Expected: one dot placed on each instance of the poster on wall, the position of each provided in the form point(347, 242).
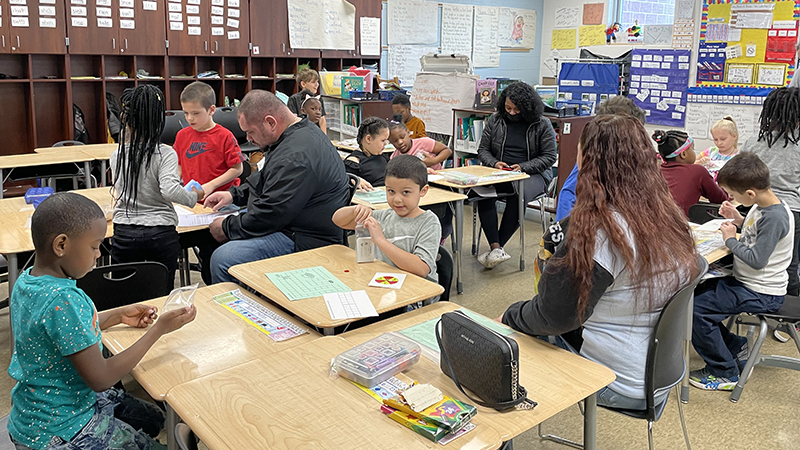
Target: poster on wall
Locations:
point(658, 84)
point(517, 28)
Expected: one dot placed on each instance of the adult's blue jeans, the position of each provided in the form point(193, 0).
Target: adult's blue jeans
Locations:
point(243, 251)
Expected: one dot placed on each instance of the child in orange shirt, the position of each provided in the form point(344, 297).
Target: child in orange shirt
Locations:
point(402, 105)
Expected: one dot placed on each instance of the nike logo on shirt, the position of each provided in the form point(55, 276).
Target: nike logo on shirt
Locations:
point(196, 148)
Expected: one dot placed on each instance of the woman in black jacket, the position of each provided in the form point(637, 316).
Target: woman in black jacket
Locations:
point(516, 137)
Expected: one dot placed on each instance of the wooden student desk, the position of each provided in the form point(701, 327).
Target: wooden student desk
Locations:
point(98, 152)
point(554, 378)
point(288, 401)
point(436, 196)
point(341, 262)
point(216, 340)
point(66, 155)
point(484, 171)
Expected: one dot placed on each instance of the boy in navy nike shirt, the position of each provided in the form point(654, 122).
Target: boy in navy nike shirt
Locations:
point(207, 152)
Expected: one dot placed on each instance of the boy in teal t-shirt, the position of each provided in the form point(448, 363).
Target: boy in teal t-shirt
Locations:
point(63, 398)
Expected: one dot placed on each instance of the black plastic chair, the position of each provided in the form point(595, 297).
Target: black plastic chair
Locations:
point(444, 269)
point(701, 213)
point(665, 365)
point(184, 437)
point(789, 314)
point(174, 121)
point(228, 117)
point(124, 284)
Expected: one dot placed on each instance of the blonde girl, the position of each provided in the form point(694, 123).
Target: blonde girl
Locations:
point(726, 136)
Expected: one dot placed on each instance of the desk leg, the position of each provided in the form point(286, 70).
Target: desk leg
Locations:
point(327, 331)
point(687, 346)
point(459, 235)
point(185, 266)
point(172, 420)
point(103, 168)
point(590, 423)
point(87, 170)
point(2, 183)
point(521, 196)
point(13, 273)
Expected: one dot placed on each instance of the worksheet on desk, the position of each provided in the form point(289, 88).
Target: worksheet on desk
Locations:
point(349, 305)
point(307, 283)
point(372, 197)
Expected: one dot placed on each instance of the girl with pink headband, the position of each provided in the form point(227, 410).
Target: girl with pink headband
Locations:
point(686, 183)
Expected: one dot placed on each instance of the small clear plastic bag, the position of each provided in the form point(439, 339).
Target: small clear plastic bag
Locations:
point(181, 297)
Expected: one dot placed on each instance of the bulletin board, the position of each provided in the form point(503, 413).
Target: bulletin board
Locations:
point(588, 82)
point(747, 43)
point(658, 84)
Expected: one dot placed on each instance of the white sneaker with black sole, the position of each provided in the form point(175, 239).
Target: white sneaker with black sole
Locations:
point(495, 257)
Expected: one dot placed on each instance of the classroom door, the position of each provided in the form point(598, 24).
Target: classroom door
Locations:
point(232, 36)
point(36, 28)
point(93, 29)
point(146, 32)
point(188, 27)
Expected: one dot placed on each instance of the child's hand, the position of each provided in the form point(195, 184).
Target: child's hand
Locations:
point(500, 165)
point(702, 160)
point(728, 230)
point(207, 189)
point(175, 319)
point(361, 213)
point(375, 230)
point(365, 186)
point(429, 161)
point(728, 211)
point(138, 315)
point(200, 193)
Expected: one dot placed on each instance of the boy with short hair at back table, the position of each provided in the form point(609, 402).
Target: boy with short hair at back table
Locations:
point(402, 105)
point(207, 153)
point(760, 258)
point(63, 398)
point(405, 236)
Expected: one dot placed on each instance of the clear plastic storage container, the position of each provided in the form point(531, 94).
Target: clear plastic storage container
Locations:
point(378, 359)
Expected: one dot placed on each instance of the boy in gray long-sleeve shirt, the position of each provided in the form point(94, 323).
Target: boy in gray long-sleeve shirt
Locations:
point(761, 256)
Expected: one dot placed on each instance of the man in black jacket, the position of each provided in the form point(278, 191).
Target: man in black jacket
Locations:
point(290, 201)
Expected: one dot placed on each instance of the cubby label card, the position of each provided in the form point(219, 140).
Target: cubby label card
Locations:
point(80, 22)
point(103, 22)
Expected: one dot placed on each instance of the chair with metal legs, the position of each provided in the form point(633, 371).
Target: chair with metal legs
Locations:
point(665, 364)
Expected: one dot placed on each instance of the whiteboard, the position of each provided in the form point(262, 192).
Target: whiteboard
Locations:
point(436, 94)
point(404, 61)
point(456, 29)
point(331, 26)
point(700, 117)
point(412, 22)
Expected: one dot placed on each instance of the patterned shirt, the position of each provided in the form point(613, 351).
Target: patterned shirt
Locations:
point(52, 319)
point(715, 160)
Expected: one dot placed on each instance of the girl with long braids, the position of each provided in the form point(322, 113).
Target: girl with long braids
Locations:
point(146, 183)
point(608, 281)
point(778, 145)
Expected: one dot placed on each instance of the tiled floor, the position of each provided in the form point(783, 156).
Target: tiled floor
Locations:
point(766, 417)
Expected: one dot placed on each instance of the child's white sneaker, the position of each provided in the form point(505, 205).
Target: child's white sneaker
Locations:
point(482, 258)
point(496, 257)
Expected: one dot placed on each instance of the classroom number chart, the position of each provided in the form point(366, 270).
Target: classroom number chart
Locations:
point(254, 313)
point(307, 283)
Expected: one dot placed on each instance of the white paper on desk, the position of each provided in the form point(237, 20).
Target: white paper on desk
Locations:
point(199, 220)
point(349, 305)
point(711, 225)
point(433, 177)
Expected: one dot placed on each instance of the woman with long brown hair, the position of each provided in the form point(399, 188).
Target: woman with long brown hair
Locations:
point(628, 249)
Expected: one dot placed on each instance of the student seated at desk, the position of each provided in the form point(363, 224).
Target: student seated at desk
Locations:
point(431, 152)
point(725, 146)
point(405, 236)
point(687, 181)
point(402, 105)
point(63, 398)
point(368, 161)
point(760, 258)
point(602, 291)
point(312, 108)
point(777, 143)
point(146, 183)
